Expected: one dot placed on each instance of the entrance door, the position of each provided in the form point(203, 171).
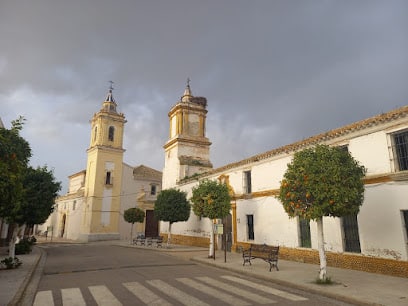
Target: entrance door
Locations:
point(152, 224)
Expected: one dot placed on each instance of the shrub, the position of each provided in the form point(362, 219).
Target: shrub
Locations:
point(24, 246)
point(11, 263)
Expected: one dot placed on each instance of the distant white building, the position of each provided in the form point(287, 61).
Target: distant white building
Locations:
point(380, 230)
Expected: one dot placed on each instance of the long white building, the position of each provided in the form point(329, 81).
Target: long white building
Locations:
point(375, 240)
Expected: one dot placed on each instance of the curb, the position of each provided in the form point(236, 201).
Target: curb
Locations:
point(21, 290)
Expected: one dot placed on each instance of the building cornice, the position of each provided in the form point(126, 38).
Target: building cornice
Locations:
point(185, 139)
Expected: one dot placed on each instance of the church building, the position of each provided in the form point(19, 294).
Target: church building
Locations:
point(97, 197)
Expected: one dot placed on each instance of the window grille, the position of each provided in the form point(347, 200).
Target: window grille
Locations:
point(304, 229)
point(405, 214)
point(247, 184)
point(400, 149)
point(351, 235)
point(250, 225)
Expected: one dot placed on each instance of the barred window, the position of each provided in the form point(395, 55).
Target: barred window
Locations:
point(400, 149)
point(247, 184)
point(250, 227)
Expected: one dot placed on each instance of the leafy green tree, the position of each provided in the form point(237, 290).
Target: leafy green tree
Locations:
point(40, 191)
point(172, 206)
point(26, 195)
point(133, 215)
point(212, 200)
point(322, 181)
point(15, 153)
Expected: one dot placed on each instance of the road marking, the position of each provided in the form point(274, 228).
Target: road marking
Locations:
point(280, 293)
point(226, 298)
point(237, 291)
point(44, 298)
point(72, 297)
point(145, 295)
point(179, 295)
point(103, 296)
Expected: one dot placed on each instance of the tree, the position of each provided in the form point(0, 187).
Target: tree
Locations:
point(40, 191)
point(133, 215)
point(15, 153)
point(322, 181)
point(172, 206)
point(212, 200)
point(27, 194)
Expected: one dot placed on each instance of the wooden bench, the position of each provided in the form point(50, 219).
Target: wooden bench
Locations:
point(264, 252)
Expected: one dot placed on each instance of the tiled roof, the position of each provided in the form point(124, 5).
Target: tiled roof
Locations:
point(145, 172)
point(320, 138)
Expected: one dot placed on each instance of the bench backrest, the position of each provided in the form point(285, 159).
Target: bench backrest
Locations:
point(264, 249)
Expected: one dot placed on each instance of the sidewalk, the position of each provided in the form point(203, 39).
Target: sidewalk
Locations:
point(351, 286)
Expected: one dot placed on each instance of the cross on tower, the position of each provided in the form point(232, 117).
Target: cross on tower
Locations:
point(111, 85)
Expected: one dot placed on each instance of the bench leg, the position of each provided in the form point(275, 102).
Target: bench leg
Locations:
point(247, 260)
point(273, 264)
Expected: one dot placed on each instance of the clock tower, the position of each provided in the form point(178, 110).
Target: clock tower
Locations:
point(187, 150)
point(100, 216)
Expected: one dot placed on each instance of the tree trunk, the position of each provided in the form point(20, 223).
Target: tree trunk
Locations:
point(211, 250)
point(12, 246)
point(169, 236)
point(131, 233)
point(320, 245)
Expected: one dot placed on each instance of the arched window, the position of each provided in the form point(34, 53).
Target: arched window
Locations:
point(95, 133)
point(111, 133)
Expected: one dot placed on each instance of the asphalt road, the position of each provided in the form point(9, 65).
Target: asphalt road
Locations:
point(110, 275)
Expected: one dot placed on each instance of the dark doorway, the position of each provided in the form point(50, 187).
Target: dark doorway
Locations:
point(227, 239)
point(152, 224)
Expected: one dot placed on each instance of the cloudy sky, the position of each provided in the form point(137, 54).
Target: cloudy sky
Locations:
point(273, 71)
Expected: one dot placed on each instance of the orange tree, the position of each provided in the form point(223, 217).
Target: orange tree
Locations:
point(133, 215)
point(172, 206)
point(212, 200)
point(322, 181)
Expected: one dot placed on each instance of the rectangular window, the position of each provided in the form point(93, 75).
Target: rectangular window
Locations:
point(153, 189)
point(247, 182)
point(400, 149)
point(108, 180)
point(250, 225)
point(304, 230)
point(73, 205)
point(351, 235)
point(405, 216)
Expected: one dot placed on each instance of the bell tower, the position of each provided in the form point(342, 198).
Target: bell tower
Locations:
point(187, 150)
point(100, 218)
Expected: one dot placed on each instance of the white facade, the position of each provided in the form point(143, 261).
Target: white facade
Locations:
point(381, 222)
point(140, 186)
